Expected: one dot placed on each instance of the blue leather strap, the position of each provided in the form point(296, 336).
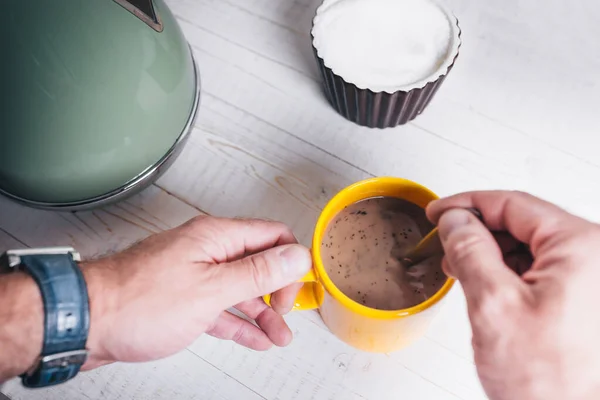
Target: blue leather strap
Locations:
point(67, 316)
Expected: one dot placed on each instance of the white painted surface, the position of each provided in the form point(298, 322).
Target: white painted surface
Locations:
point(519, 111)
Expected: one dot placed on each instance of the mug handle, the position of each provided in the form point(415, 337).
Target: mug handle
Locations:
point(307, 298)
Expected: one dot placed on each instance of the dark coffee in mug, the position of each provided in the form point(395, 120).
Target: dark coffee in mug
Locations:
point(363, 248)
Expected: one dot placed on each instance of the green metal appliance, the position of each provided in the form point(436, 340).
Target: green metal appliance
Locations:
point(98, 98)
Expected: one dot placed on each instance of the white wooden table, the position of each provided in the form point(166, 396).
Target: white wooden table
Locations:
point(519, 111)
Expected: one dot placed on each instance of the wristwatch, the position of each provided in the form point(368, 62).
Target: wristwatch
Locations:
point(66, 311)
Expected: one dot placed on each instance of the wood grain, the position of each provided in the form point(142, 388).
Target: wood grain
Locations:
point(181, 376)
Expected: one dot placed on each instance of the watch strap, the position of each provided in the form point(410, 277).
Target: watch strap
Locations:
point(67, 317)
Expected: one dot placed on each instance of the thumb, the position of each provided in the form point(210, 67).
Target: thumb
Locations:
point(264, 273)
point(473, 256)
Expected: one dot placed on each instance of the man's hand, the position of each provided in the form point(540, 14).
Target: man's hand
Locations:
point(156, 298)
point(535, 334)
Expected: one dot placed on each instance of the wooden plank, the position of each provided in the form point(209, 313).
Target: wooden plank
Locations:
point(238, 165)
point(318, 366)
point(7, 241)
point(99, 232)
point(183, 376)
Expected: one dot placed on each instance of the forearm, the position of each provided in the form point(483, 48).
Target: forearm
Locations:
point(21, 324)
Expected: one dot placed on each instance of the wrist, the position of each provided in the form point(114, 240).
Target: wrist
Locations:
point(22, 324)
point(101, 288)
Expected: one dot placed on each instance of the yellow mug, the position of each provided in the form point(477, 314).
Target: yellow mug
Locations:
point(362, 327)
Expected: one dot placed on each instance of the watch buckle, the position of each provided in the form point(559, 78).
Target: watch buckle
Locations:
point(12, 258)
point(60, 360)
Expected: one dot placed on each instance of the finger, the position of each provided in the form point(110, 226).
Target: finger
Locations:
point(527, 218)
point(506, 242)
point(262, 273)
point(271, 323)
point(516, 254)
point(232, 327)
point(473, 256)
point(283, 300)
point(519, 262)
point(239, 237)
point(446, 268)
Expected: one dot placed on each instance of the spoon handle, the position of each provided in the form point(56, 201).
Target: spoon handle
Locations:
point(430, 245)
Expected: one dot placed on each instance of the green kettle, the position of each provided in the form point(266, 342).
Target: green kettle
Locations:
point(98, 98)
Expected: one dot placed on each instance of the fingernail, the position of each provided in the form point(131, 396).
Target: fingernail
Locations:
point(452, 220)
point(296, 261)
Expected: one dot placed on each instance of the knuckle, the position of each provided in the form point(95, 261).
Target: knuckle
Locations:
point(510, 298)
point(498, 302)
point(239, 334)
point(573, 243)
point(258, 268)
point(242, 220)
point(197, 221)
point(202, 217)
point(490, 308)
point(284, 229)
point(274, 224)
point(522, 194)
point(182, 243)
point(464, 247)
point(256, 222)
point(267, 220)
point(281, 226)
